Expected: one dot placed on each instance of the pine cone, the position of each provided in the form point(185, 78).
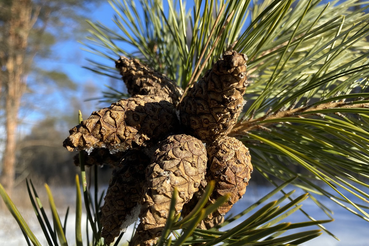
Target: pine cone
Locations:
point(100, 157)
point(126, 124)
point(230, 166)
point(211, 220)
point(141, 80)
point(188, 207)
point(124, 195)
point(212, 106)
point(180, 161)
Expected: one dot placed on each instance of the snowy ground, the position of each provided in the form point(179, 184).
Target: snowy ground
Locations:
point(351, 230)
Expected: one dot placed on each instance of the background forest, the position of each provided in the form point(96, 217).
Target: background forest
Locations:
point(51, 84)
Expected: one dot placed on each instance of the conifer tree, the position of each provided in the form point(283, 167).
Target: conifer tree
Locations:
point(307, 76)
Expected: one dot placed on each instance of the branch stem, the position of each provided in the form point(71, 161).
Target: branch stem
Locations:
point(243, 127)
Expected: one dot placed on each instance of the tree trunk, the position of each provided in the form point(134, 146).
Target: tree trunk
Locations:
point(8, 172)
point(19, 25)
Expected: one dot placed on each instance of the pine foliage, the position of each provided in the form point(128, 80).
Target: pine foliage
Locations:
point(308, 69)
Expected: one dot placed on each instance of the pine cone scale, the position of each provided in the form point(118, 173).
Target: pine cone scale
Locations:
point(230, 167)
point(126, 124)
point(212, 106)
point(180, 162)
point(141, 80)
point(123, 197)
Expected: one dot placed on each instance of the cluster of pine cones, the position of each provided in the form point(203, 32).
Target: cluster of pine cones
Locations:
point(155, 142)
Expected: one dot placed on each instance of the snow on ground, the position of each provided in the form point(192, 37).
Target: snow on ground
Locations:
point(351, 230)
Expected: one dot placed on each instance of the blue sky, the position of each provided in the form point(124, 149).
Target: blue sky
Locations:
point(70, 58)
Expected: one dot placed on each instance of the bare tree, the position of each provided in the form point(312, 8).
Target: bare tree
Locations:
point(15, 38)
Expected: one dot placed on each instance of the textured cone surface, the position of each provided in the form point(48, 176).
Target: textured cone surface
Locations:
point(141, 80)
point(126, 124)
point(230, 166)
point(124, 195)
point(211, 107)
point(180, 161)
point(144, 237)
point(188, 207)
point(100, 157)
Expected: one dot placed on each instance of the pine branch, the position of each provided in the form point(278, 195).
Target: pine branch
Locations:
point(311, 51)
point(197, 72)
point(243, 127)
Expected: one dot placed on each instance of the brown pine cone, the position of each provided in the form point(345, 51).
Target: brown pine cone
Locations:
point(100, 157)
point(211, 107)
point(126, 124)
point(142, 80)
point(124, 195)
point(230, 166)
point(180, 161)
